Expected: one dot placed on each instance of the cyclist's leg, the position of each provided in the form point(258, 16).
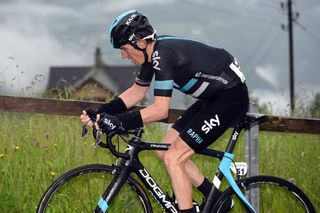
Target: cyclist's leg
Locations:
point(175, 159)
point(214, 118)
point(192, 170)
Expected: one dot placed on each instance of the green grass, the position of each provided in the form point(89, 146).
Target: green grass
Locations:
point(36, 149)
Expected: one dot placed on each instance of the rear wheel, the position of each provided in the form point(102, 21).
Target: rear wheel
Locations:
point(272, 194)
point(80, 189)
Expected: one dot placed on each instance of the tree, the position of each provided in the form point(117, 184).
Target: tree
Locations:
point(315, 106)
point(262, 108)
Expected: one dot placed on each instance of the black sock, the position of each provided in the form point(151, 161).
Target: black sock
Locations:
point(187, 210)
point(205, 187)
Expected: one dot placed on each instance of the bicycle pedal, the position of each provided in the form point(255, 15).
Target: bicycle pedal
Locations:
point(174, 201)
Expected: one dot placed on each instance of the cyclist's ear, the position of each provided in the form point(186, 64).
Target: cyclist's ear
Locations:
point(142, 43)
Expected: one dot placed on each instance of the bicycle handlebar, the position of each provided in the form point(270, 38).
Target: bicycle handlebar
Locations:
point(112, 147)
point(108, 144)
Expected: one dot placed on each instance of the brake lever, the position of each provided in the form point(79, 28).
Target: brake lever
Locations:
point(92, 115)
point(98, 138)
point(84, 131)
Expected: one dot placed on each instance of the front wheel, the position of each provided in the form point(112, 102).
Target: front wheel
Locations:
point(80, 189)
point(269, 194)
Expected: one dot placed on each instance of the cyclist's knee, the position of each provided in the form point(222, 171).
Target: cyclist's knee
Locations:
point(170, 160)
point(177, 156)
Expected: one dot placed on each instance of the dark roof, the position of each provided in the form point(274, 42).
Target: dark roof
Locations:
point(114, 78)
point(59, 77)
point(123, 75)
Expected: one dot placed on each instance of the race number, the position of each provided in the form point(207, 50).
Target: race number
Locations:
point(239, 168)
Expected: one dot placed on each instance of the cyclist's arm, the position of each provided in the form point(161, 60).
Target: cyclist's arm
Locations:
point(133, 95)
point(157, 111)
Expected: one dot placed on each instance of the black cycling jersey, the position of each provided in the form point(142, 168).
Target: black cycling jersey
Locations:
point(191, 67)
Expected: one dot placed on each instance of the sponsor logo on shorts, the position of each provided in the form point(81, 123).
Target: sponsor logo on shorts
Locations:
point(208, 125)
point(194, 136)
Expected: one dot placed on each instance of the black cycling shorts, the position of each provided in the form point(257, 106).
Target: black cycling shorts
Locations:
point(206, 120)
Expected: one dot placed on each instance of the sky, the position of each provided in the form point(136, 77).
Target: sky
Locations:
point(37, 34)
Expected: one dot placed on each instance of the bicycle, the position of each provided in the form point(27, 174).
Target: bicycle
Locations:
point(79, 189)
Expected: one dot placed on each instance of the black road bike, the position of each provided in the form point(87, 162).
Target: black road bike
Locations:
point(113, 188)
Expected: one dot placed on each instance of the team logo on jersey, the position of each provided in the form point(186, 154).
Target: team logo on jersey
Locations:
point(208, 125)
point(198, 74)
point(156, 60)
point(211, 77)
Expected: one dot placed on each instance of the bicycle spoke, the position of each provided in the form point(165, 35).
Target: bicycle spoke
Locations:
point(272, 194)
point(80, 191)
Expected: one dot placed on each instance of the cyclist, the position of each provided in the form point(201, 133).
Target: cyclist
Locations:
point(209, 74)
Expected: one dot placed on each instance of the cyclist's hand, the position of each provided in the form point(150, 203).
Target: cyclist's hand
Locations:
point(108, 123)
point(87, 116)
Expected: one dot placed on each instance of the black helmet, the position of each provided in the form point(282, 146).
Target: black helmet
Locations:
point(129, 27)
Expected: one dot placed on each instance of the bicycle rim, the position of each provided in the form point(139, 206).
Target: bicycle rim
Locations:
point(80, 189)
point(268, 194)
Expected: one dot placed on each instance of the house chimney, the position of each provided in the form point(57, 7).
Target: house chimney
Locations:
point(98, 59)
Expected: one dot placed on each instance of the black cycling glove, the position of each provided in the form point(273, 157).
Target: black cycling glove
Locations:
point(109, 123)
point(114, 106)
point(124, 121)
point(92, 113)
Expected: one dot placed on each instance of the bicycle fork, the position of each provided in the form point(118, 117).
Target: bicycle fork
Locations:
point(114, 187)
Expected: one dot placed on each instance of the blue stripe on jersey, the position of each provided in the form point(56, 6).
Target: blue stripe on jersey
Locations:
point(177, 38)
point(169, 37)
point(164, 84)
point(188, 85)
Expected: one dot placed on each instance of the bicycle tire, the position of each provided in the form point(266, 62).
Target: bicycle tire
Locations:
point(80, 189)
point(275, 195)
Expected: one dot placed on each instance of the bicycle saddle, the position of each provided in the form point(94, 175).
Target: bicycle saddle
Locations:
point(251, 119)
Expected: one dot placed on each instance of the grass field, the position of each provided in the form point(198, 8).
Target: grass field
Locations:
point(36, 149)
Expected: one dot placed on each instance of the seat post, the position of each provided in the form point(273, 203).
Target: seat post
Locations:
point(234, 137)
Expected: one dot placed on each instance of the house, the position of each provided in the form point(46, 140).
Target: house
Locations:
point(92, 83)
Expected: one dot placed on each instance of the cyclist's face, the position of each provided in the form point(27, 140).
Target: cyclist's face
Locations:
point(132, 54)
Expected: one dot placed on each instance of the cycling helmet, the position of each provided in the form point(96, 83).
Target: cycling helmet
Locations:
point(129, 27)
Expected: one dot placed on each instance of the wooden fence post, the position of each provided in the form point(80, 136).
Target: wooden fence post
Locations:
point(252, 157)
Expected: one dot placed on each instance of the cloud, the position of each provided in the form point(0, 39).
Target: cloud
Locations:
point(277, 102)
point(270, 74)
point(27, 49)
point(36, 34)
point(316, 11)
point(36, 10)
point(121, 6)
